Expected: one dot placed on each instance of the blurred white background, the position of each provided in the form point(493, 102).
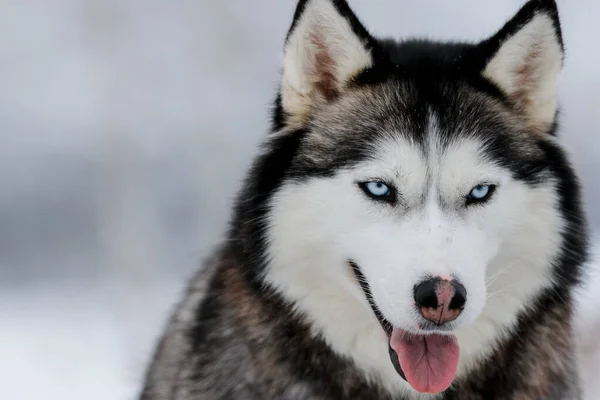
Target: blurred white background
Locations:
point(126, 126)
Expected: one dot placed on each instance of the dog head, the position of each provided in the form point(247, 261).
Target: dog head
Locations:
point(415, 186)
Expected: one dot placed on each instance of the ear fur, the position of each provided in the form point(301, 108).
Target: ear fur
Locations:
point(325, 47)
point(525, 61)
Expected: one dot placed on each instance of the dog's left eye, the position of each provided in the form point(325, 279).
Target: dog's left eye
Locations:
point(378, 190)
point(480, 193)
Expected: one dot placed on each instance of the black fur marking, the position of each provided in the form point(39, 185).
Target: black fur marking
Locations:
point(575, 245)
point(419, 60)
point(278, 116)
point(248, 230)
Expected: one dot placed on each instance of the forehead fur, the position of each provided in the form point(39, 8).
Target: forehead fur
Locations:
point(352, 127)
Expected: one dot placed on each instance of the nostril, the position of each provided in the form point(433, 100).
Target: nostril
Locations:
point(425, 293)
point(460, 296)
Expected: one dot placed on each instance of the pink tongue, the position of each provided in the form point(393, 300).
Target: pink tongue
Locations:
point(429, 362)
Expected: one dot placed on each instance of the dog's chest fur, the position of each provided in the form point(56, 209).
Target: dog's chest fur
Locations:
point(228, 341)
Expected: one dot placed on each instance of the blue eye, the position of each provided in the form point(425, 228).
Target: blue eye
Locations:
point(480, 191)
point(378, 190)
point(480, 194)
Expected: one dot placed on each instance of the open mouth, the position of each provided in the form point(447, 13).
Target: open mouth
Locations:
point(428, 362)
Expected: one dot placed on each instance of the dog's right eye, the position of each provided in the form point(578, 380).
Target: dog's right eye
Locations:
point(378, 190)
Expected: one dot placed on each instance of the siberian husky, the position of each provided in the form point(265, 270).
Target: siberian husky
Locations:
point(411, 229)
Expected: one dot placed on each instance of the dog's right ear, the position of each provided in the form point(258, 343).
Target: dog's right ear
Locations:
point(524, 61)
point(325, 48)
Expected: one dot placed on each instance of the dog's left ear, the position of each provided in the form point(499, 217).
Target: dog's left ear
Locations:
point(524, 60)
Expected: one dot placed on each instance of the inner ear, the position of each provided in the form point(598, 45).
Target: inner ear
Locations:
point(326, 47)
point(525, 62)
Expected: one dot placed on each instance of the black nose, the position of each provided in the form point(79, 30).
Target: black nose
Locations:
point(440, 300)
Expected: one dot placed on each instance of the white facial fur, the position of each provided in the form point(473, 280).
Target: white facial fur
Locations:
point(501, 251)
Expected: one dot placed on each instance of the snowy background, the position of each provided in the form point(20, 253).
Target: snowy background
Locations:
point(126, 126)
